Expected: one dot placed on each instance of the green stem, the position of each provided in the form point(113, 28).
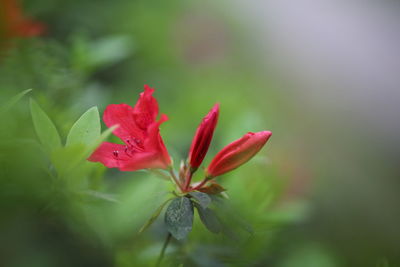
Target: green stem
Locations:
point(202, 183)
point(171, 171)
point(160, 258)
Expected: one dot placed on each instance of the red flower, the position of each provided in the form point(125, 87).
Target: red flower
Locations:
point(237, 153)
point(14, 23)
point(202, 138)
point(139, 130)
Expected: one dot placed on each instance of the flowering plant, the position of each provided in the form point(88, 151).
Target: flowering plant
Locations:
point(144, 148)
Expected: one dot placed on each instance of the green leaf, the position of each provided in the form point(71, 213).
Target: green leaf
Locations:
point(86, 129)
point(44, 127)
point(202, 198)
point(109, 50)
point(179, 217)
point(209, 219)
point(66, 159)
point(100, 139)
point(154, 216)
point(14, 100)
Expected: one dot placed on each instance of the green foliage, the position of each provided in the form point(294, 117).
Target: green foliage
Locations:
point(9, 104)
point(89, 216)
point(209, 218)
point(86, 130)
point(44, 127)
point(91, 55)
point(154, 216)
point(82, 140)
point(202, 198)
point(179, 217)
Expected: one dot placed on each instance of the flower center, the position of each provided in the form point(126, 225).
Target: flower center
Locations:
point(133, 145)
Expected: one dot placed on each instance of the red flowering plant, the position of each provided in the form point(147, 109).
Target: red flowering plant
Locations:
point(144, 148)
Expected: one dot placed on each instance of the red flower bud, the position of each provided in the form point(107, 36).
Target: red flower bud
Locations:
point(237, 153)
point(202, 138)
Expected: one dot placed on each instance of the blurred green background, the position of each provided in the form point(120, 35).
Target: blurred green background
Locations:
point(324, 190)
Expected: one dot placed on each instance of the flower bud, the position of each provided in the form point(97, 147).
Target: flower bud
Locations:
point(202, 138)
point(237, 153)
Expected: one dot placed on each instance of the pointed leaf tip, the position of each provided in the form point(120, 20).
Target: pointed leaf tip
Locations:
point(44, 127)
point(10, 103)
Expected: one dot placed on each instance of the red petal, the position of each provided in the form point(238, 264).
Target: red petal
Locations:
point(144, 160)
point(155, 143)
point(122, 114)
point(146, 108)
point(110, 154)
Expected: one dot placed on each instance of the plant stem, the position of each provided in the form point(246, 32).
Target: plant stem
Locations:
point(171, 171)
point(160, 258)
point(202, 183)
point(188, 179)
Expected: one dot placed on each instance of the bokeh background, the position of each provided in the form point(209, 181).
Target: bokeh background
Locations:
point(321, 75)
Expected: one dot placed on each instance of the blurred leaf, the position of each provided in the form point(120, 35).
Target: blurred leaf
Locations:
point(179, 217)
point(13, 100)
point(202, 198)
point(86, 129)
point(288, 213)
point(212, 189)
point(232, 222)
point(309, 255)
point(154, 216)
point(101, 195)
point(110, 50)
point(89, 55)
point(66, 159)
point(382, 262)
point(209, 219)
point(44, 127)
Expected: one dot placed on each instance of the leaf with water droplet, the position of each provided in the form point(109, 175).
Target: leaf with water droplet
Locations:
point(179, 217)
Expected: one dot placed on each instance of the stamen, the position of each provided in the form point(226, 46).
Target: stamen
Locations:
point(128, 142)
point(116, 153)
point(134, 144)
point(128, 151)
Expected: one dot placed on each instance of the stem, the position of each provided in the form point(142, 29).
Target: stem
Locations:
point(171, 171)
point(202, 183)
point(188, 179)
point(160, 258)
